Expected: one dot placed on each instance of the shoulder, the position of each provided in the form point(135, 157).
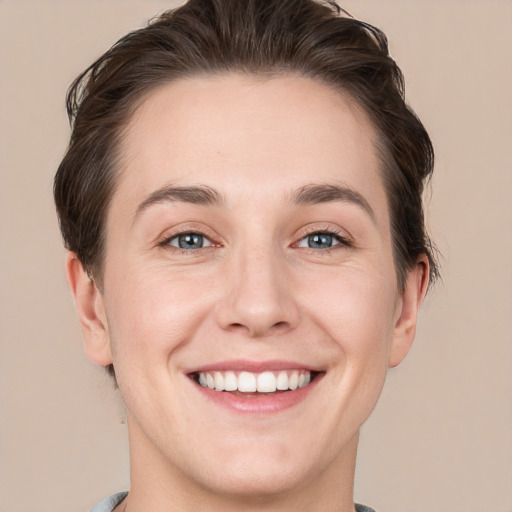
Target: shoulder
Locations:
point(363, 508)
point(108, 504)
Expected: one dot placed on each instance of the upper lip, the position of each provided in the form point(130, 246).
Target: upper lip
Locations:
point(253, 366)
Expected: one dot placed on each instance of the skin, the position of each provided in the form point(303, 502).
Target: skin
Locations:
point(258, 292)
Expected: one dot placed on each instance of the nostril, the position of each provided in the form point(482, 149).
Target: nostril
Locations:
point(259, 330)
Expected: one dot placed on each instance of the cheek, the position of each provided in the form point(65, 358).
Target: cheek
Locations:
point(357, 310)
point(151, 314)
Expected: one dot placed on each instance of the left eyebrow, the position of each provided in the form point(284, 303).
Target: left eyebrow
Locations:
point(196, 194)
point(326, 193)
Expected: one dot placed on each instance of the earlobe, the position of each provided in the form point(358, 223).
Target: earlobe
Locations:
point(409, 305)
point(91, 312)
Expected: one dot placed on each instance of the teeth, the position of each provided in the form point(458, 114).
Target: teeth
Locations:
point(218, 380)
point(282, 381)
point(230, 381)
point(294, 380)
point(266, 382)
point(247, 382)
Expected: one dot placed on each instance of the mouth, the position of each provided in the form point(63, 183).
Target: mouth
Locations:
point(255, 387)
point(251, 384)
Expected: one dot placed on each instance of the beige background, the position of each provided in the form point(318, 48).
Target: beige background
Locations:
point(441, 437)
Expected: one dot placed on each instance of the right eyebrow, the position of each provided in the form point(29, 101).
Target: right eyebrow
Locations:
point(325, 193)
point(195, 194)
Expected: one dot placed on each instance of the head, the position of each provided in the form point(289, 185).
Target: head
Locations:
point(212, 77)
point(215, 37)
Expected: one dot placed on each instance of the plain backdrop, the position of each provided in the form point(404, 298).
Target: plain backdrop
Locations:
point(441, 437)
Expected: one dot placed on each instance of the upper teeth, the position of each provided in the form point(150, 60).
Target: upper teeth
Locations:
point(247, 382)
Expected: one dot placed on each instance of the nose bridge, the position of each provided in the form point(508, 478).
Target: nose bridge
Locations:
point(259, 299)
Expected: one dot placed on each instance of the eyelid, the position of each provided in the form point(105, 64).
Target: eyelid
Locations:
point(164, 239)
point(341, 235)
point(175, 237)
point(343, 238)
point(304, 240)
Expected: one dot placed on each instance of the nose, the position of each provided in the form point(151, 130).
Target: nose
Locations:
point(259, 298)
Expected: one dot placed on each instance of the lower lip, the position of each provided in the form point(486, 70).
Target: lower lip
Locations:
point(260, 404)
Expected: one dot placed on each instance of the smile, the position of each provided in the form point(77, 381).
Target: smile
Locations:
point(249, 382)
point(255, 387)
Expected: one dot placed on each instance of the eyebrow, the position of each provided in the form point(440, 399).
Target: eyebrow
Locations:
point(307, 195)
point(326, 193)
point(195, 194)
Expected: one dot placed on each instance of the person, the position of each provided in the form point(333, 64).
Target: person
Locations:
point(241, 202)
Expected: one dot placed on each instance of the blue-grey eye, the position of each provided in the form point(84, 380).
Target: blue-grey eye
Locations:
point(319, 241)
point(190, 241)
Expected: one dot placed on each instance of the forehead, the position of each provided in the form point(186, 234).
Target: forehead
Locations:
point(247, 134)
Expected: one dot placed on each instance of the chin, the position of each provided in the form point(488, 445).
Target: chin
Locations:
point(264, 469)
point(258, 483)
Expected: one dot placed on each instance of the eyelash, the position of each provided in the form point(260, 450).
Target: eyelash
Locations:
point(343, 241)
point(166, 241)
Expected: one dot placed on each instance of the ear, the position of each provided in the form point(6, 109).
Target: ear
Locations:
point(407, 311)
point(91, 311)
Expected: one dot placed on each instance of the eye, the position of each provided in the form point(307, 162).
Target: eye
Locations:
point(189, 241)
point(320, 241)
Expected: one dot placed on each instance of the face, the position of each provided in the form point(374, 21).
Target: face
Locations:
point(250, 302)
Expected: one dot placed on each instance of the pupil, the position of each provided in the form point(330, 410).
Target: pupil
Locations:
point(320, 241)
point(190, 241)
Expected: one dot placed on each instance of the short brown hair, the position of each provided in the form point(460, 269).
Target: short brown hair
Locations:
point(316, 39)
